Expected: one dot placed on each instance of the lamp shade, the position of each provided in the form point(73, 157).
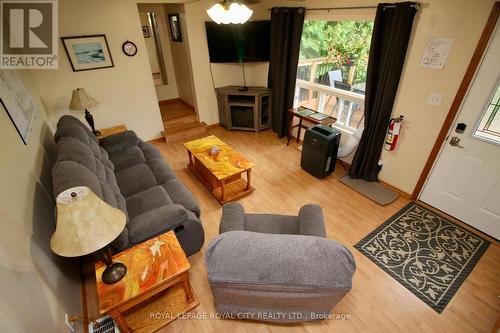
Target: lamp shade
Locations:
point(81, 100)
point(85, 223)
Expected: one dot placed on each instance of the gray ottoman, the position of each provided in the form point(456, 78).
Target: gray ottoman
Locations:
point(277, 268)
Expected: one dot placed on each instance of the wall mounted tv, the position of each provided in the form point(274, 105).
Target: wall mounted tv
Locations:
point(248, 42)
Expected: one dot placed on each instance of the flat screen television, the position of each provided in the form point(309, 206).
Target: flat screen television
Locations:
point(248, 42)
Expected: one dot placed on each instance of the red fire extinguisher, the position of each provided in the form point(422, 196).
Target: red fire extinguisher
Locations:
point(392, 133)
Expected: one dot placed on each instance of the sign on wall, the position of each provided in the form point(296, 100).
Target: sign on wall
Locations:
point(28, 31)
point(436, 52)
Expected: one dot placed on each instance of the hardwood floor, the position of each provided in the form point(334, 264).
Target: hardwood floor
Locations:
point(377, 302)
point(175, 108)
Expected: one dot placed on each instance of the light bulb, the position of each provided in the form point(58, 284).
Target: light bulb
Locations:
point(236, 13)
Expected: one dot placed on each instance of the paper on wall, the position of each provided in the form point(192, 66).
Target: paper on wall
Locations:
point(436, 52)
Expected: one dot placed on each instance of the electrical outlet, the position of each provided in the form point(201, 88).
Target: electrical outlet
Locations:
point(69, 323)
point(434, 99)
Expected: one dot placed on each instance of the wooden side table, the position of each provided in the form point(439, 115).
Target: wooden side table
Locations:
point(154, 291)
point(111, 130)
point(295, 113)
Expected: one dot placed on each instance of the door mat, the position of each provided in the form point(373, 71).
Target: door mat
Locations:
point(428, 254)
point(372, 190)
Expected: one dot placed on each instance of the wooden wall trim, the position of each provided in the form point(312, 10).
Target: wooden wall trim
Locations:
point(457, 101)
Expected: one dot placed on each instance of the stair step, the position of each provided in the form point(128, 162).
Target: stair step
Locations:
point(189, 118)
point(184, 131)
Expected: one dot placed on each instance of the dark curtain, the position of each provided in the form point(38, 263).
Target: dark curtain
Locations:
point(286, 31)
point(391, 33)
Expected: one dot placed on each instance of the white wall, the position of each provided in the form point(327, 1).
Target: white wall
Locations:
point(181, 57)
point(37, 287)
point(168, 90)
point(126, 91)
point(223, 74)
point(462, 20)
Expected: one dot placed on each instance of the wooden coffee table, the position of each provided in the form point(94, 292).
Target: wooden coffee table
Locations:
point(219, 173)
point(141, 302)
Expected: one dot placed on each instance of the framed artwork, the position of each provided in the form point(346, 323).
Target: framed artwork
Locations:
point(175, 27)
point(17, 101)
point(145, 31)
point(88, 52)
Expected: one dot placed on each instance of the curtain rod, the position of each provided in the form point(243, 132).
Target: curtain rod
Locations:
point(416, 6)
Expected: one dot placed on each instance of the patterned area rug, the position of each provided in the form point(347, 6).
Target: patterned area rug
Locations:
point(428, 254)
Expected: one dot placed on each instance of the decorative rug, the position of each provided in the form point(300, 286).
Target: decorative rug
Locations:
point(428, 254)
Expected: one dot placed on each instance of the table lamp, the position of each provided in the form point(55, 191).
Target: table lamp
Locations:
point(81, 100)
point(86, 224)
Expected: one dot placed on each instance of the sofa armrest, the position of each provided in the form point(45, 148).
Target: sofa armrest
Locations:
point(233, 217)
point(311, 221)
point(284, 261)
point(119, 141)
point(155, 221)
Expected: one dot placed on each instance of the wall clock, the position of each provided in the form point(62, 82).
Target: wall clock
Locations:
point(129, 48)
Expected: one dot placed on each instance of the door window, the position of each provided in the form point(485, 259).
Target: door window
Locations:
point(488, 128)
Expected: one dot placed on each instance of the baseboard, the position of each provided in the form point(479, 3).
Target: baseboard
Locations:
point(394, 188)
point(157, 140)
point(214, 125)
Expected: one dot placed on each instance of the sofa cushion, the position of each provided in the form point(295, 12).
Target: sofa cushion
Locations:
point(105, 159)
point(67, 174)
point(68, 120)
point(149, 150)
point(272, 223)
point(126, 158)
point(180, 195)
point(291, 261)
point(155, 221)
point(135, 179)
point(119, 141)
point(77, 132)
point(161, 170)
point(72, 149)
point(151, 198)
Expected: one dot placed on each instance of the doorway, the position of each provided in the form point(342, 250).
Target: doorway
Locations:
point(465, 179)
point(165, 35)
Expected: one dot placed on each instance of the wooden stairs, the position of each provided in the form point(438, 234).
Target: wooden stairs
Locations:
point(183, 127)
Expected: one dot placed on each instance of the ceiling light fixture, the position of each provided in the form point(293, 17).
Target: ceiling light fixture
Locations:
point(226, 12)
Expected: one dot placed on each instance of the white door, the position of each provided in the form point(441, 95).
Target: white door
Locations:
point(465, 180)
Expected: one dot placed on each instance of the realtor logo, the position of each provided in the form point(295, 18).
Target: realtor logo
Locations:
point(29, 34)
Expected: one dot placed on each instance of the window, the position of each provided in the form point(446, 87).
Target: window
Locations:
point(489, 126)
point(331, 75)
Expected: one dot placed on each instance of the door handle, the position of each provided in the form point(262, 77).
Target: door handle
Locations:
point(455, 142)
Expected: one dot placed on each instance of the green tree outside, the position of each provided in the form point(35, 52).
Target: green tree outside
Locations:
point(343, 43)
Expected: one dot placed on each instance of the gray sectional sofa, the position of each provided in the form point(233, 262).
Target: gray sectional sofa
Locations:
point(131, 175)
point(277, 268)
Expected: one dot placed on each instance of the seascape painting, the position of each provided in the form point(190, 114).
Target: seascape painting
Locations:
point(88, 52)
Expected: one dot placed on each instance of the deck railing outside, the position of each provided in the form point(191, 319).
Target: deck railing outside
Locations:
point(347, 106)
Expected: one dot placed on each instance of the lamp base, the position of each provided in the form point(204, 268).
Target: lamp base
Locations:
point(114, 273)
point(90, 121)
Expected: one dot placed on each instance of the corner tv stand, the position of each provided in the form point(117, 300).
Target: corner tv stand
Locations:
point(248, 110)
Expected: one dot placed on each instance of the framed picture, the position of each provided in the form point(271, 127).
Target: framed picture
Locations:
point(17, 101)
point(175, 27)
point(145, 31)
point(88, 52)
